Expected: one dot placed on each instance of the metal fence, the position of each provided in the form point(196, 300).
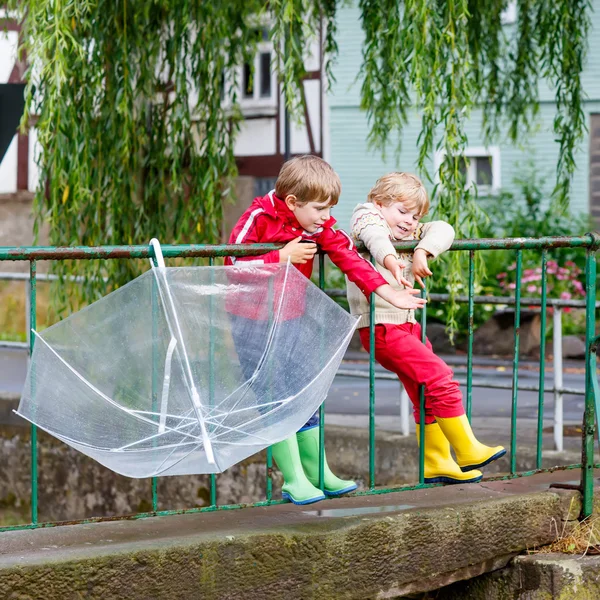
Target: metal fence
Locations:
point(588, 243)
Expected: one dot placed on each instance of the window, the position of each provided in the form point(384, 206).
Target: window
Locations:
point(509, 14)
point(258, 80)
point(263, 185)
point(481, 166)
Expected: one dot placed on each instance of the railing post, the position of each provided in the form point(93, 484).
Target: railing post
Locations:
point(211, 377)
point(589, 419)
point(28, 317)
point(322, 407)
point(558, 378)
point(372, 389)
point(470, 329)
point(34, 450)
point(515, 374)
point(542, 378)
point(422, 396)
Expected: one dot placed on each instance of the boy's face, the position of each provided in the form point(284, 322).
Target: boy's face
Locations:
point(311, 215)
point(402, 219)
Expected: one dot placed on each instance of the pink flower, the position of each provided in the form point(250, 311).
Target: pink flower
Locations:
point(565, 296)
point(532, 289)
point(501, 275)
point(578, 287)
point(512, 267)
point(570, 263)
point(512, 286)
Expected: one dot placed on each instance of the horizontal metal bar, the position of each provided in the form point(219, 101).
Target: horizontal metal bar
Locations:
point(7, 276)
point(335, 293)
point(589, 240)
point(118, 252)
point(14, 345)
point(481, 383)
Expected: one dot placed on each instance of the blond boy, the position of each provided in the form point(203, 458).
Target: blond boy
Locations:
point(393, 212)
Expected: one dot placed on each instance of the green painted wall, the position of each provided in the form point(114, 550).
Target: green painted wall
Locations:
point(359, 168)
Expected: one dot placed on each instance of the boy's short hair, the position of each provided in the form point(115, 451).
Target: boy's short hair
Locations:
point(401, 187)
point(310, 179)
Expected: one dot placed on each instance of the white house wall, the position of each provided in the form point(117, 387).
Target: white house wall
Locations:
point(8, 169)
point(8, 57)
point(256, 138)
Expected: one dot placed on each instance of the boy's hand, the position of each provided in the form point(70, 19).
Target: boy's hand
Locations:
point(298, 252)
point(394, 266)
point(405, 299)
point(420, 267)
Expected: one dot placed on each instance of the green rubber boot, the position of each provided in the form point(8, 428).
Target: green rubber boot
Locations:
point(308, 443)
point(296, 487)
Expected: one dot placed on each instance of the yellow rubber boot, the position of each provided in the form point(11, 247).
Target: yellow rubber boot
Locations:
point(470, 453)
point(440, 467)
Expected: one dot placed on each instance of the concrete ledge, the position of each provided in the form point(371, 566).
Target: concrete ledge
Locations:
point(381, 546)
point(535, 577)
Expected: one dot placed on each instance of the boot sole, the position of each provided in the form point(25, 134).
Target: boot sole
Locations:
point(485, 462)
point(286, 496)
point(451, 481)
point(346, 490)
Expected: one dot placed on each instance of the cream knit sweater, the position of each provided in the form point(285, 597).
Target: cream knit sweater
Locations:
point(369, 226)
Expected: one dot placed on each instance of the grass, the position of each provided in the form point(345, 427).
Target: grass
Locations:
point(13, 309)
point(583, 538)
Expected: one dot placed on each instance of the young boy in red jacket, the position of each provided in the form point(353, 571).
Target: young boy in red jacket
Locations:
point(295, 212)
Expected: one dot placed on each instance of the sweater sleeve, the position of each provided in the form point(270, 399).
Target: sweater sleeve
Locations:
point(435, 237)
point(373, 232)
point(342, 252)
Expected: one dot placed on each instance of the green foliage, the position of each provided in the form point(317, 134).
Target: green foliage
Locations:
point(523, 213)
point(137, 140)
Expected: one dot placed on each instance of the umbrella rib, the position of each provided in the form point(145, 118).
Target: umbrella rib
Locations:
point(157, 472)
point(286, 400)
point(93, 387)
point(168, 415)
point(189, 380)
point(178, 430)
point(239, 410)
point(166, 384)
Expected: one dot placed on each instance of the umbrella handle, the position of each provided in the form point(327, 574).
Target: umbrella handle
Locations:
point(158, 255)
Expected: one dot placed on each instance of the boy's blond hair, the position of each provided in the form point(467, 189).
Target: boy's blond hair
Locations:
point(401, 187)
point(310, 179)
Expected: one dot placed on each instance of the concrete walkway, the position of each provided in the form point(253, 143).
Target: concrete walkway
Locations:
point(362, 547)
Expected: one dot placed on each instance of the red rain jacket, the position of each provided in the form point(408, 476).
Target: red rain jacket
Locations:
point(268, 220)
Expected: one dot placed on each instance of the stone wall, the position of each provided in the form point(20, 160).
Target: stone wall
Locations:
point(72, 486)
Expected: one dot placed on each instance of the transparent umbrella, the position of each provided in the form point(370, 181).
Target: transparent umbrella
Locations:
point(187, 369)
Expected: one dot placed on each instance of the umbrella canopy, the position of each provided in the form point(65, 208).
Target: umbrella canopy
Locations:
point(187, 369)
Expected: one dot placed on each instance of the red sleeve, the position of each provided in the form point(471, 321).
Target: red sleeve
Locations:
point(250, 230)
point(342, 252)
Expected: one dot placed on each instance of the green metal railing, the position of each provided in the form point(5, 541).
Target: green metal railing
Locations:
point(588, 243)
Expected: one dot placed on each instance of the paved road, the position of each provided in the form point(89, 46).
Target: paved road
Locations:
point(349, 395)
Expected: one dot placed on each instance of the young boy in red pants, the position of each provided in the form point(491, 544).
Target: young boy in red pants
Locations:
point(396, 204)
point(295, 212)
